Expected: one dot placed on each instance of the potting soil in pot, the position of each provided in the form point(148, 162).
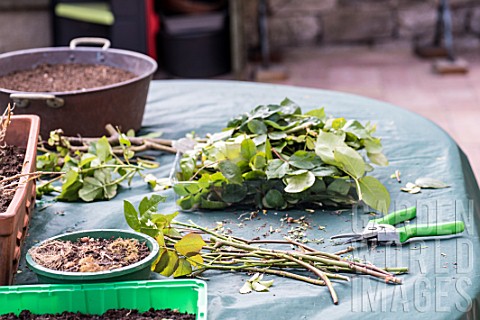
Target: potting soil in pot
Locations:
point(89, 254)
point(109, 314)
point(11, 163)
point(64, 77)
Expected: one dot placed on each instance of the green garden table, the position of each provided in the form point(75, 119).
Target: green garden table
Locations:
point(444, 281)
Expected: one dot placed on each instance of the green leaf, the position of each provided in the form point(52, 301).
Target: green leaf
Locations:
point(150, 204)
point(340, 186)
point(254, 175)
point(248, 149)
point(356, 128)
point(180, 188)
point(70, 186)
point(186, 203)
point(131, 215)
point(184, 268)
point(274, 199)
point(196, 260)
point(171, 232)
point(351, 161)
point(190, 243)
point(276, 135)
point(336, 124)
point(318, 113)
point(326, 143)
point(276, 169)
point(268, 150)
point(430, 183)
point(151, 231)
point(257, 127)
point(103, 149)
point(310, 143)
point(259, 161)
point(233, 193)
point(289, 107)
point(85, 159)
point(172, 263)
point(212, 205)
point(304, 160)
point(163, 219)
point(160, 240)
point(325, 171)
point(123, 139)
point(92, 189)
point(374, 193)
point(187, 167)
point(378, 158)
point(110, 191)
point(299, 183)
point(231, 171)
point(162, 262)
point(318, 187)
point(373, 145)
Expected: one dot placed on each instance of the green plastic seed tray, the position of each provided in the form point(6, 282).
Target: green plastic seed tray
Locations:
point(183, 295)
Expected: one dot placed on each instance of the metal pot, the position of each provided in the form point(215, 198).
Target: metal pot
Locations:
point(82, 112)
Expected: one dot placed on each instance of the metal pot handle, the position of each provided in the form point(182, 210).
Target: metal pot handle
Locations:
point(88, 40)
point(22, 100)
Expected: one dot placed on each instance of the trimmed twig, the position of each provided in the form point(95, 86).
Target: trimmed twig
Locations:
point(5, 122)
point(347, 250)
point(319, 273)
point(138, 143)
point(31, 175)
point(300, 245)
point(362, 268)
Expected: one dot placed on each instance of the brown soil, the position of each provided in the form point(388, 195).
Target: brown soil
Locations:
point(63, 77)
point(11, 163)
point(89, 254)
point(121, 314)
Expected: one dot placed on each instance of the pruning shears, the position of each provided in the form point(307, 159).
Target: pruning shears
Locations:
point(382, 230)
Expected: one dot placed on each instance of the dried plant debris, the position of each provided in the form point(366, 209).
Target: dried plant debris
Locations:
point(119, 314)
point(430, 183)
point(397, 176)
point(89, 254)
point(424, 183)
point(255, 283)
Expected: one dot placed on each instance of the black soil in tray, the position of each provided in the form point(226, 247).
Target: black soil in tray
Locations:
point(64, 77)
point(11, 163)
point(121, 314)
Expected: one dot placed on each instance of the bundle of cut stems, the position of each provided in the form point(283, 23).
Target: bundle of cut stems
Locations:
point(235, 254)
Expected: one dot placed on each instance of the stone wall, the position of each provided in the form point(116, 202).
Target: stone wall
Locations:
point(314, 22)
point(24, 24)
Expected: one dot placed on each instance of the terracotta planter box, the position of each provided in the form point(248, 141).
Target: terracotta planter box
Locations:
point(22, 132)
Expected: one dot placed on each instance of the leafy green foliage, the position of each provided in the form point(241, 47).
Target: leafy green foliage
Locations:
point(278, 157)
point(89, 176)
point(177, 260)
